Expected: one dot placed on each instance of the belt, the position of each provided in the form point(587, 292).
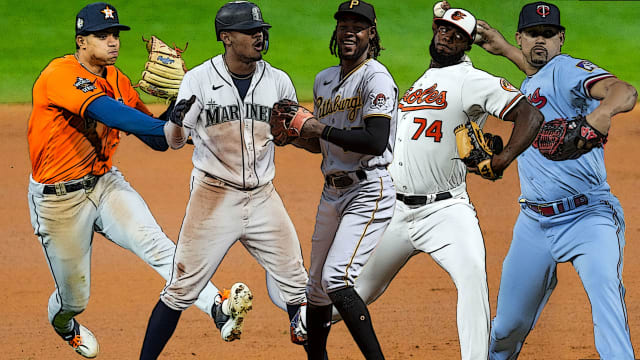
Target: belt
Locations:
point(343, 180)
point(87, 183)
point(423, 199)
point(557, 207)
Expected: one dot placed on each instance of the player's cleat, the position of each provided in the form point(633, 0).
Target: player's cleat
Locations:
point(297, 329)
point(230, 310)
point(82, 340)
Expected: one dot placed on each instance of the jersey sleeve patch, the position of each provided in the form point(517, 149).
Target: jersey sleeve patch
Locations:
point(507, 86)
point(84, 85)
point(586, 65)
point(378, 101)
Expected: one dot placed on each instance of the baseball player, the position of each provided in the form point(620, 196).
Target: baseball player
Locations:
point(80, 104)
point(232, 195)
point(568, 213)
point(354, 128)
point(433, 213)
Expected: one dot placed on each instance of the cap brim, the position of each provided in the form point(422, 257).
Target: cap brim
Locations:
point(441, 20)
point(247, 25)
point(540, 23)
point(341, 13)
point(103, 27)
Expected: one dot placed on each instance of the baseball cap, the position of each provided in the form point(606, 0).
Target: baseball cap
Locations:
point(239, 15)
point(539, 13)
point(357, 7)
point(461, 19)
point(96, 17)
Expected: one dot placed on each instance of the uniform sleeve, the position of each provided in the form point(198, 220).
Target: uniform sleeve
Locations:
point(380, 96)
point(286, 88)
point(132, 98)
point(188, 87)
point(578, 76)
point(67, 90)
point(494, 95)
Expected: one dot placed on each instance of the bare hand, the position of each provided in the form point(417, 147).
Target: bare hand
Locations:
point(491, 39)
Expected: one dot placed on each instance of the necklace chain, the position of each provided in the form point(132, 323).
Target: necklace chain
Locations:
point(236, 76)
point(84, 66)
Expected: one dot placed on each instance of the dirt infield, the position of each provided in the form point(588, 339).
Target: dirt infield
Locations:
point(414, 319)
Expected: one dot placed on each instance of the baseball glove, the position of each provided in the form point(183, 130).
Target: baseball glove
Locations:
point(287, 119)
point(563, 139)
point(163, 71)
point(477, 148)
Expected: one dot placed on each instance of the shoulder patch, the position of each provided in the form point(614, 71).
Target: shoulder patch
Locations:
point(84, 85)
point(507, 85)
point(378, 101)
point(586, 65)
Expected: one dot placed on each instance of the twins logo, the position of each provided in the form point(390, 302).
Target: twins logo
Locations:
point(543, 10)
point(84, 85)
point(586, 65)
point(165, 60)
point(536, 99)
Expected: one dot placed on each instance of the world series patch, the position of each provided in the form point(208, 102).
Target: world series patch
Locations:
point(84, 85)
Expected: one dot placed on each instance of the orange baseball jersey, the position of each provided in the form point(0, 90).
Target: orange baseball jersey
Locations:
point(63, 143)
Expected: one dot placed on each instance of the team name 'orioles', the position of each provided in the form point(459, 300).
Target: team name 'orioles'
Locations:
point(429, 98)
point(329, 106)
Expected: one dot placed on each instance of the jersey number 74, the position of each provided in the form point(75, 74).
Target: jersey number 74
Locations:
point(434, 130)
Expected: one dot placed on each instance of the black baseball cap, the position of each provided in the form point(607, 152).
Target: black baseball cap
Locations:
point(539, 13)
point(357, 7)
point(96, 17)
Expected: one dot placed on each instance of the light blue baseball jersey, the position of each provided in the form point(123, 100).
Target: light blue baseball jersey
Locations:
point(560, 89)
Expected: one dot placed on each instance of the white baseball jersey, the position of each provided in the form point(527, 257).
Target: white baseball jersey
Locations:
point(232, 137)
point(232, 197)
point(369, 90)
point(443, 98)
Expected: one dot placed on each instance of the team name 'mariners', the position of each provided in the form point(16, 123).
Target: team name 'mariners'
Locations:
point(420, 99)
point(217, 114)
point(330, 106)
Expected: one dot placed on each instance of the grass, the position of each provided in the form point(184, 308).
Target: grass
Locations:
point(604, 32)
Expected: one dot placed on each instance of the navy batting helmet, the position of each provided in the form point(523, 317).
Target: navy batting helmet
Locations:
point(241, 15)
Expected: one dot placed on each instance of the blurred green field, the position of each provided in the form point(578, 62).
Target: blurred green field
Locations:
point(34, 32)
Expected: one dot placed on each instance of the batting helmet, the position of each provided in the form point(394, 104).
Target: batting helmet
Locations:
point(241, 15)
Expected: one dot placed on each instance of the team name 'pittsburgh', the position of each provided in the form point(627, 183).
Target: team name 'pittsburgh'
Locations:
point(329, 106)
point(217, 114)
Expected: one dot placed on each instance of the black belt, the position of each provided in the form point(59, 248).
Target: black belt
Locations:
point(550, 209)
point(88, 182)
point(421, 199)
point(342, 180)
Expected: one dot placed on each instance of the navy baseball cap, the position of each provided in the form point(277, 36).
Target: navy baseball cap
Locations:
point(239, 15)
point(539, 13)
point(357, 7)
point(96, 17)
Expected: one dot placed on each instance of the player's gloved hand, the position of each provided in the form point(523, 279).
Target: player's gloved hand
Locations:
point(287, 119)
point(180, 110)
point(476, 150)
point(163, 71)
point(565, 139)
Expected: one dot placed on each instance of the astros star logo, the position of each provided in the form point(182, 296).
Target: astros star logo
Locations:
point(108, 13)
